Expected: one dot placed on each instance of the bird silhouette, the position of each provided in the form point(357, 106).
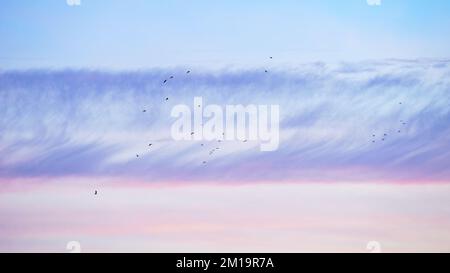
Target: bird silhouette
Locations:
point(95, 192)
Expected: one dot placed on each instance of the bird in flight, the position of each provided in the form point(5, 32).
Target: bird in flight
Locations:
point(165, 81)
point(189, 71)
point(167, 99)
point(95, 192)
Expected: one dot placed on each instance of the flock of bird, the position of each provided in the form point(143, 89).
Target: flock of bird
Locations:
point(385, 135)
point(212, 151)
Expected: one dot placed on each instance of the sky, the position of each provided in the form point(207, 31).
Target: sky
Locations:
point(364, 94)
point(374, 122)
point(140, 34)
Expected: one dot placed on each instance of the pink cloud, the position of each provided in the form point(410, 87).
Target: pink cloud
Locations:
point(201, 217)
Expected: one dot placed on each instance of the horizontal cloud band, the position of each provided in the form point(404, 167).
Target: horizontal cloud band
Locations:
point(372, 121)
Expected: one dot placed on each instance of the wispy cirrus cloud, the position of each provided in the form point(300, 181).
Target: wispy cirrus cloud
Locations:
point(84, 122)
point(73, 2)
point(373, 2)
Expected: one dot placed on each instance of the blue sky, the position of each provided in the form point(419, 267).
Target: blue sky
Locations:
point(364, 98)
point(137, 34)
point(381, 121)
